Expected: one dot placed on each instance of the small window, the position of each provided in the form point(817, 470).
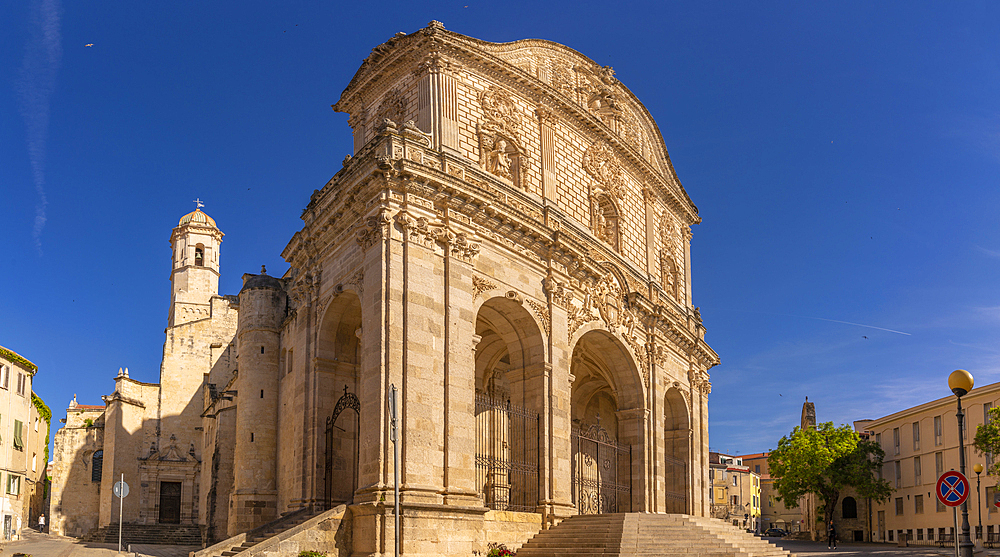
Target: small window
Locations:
point(21, 380)
point(756, 468)
point(13, 484)
point(895, 440)
point(97, 466)
point(916, 436)
point(34, 462)
point(5, 377)
point(18, 442)
point(938, 464)
point(849, 508)
point(918, 504)
point(938, 433)
point(899, 506)
point(916, 470)
point(920, 531)
point(899, 474)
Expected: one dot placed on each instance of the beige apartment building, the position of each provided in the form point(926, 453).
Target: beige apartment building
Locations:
point(921, 443)
point(24, 427)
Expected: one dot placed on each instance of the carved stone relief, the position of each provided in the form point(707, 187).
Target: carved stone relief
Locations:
point(601, 162)
point(501, 151)
point(373, 229)
point(392, 107)
point(429, 232)
point(543, 314)
point(605, 220)
point(480, 285)
point(598, 92)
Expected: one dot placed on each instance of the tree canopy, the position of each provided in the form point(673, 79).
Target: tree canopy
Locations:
point(987, 440)
point(823, 461)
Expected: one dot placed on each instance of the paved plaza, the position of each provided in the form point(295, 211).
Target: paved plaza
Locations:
point(802, 547)
point(46, 545)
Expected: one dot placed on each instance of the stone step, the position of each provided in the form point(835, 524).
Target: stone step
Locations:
point(646, 534)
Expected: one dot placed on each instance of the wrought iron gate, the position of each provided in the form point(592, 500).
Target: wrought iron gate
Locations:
point(506, 454)
point(676, 475)
point(348, 400)
point(602, 472)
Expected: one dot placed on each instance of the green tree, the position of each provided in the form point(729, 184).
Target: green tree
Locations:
point(823, 461)
point(987, 440)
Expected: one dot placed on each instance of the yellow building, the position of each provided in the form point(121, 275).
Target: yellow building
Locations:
point(735, 491)
point(921, 443)
point(24, 427)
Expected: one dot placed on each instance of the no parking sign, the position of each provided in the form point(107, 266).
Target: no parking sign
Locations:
point(952, 488)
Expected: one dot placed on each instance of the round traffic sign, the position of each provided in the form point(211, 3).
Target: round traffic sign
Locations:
point(952, 488)
point(120, 489)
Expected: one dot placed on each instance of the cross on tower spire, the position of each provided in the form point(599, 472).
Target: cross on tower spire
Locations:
point(198, 204)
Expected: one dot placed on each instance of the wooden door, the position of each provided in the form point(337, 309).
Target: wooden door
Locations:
point(170, 502)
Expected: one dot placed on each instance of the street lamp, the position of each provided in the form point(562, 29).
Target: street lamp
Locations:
point(960, 382)
point(979, 500)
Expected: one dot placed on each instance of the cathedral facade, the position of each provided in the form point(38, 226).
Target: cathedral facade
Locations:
point(508, 248)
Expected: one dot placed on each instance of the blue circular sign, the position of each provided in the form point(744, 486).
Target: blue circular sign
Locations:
point(952, 488)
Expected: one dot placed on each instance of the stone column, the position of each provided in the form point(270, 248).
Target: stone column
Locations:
point(547, 123)
point(686, 232)
point(459, 369)
point(632, 427)
point(556, 468)
point(437, 101)
point(652, 260)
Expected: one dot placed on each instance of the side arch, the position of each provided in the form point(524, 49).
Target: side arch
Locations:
point(676, 452)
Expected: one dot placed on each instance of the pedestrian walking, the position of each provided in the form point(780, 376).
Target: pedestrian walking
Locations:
point(831, 536)
point(41, 523)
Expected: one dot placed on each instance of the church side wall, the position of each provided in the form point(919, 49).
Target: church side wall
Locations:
point(76, 499)
point(130, 425)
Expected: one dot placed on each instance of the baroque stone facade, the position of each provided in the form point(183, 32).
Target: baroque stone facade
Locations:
point(509, 247)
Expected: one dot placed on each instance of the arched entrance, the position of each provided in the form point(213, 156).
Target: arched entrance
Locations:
point(605, 383)
point(509, 359)
point(337, 364)
point(676, 452)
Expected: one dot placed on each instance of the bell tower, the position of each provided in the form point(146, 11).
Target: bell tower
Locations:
point(194, 276)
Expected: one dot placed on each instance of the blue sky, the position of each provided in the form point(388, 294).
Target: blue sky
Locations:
point(844, 157)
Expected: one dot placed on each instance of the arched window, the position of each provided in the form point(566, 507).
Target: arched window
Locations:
point(97, 467)
point(849, 508)
point(199, 255)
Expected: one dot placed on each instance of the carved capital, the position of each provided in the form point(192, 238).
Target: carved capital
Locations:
point(374, 229)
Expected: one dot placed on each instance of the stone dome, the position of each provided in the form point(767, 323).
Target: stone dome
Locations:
point(263, 280)
point(197, 217)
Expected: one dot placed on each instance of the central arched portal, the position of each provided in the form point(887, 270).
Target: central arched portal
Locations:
point(509, 394)
point(605, 440)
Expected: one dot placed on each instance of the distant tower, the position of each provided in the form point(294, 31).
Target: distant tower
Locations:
point(263, 305)
point(808, 415)
point(195, 274)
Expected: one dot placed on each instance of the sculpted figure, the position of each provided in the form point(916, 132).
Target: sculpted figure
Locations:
point(499, 160)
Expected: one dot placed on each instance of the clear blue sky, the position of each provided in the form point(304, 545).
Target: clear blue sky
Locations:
point(844, 157)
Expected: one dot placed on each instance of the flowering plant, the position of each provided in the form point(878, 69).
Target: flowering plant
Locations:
point(499, 550)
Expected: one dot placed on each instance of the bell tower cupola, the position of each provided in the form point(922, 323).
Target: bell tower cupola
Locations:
point(194, 276)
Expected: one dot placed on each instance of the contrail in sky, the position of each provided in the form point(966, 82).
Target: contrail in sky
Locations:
point(830, 320)
point(35, 85)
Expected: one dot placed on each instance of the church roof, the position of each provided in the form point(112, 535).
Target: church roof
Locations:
point(197, 217)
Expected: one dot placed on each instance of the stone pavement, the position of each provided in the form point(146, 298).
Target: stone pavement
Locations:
point(803, 547)
point(47, 545)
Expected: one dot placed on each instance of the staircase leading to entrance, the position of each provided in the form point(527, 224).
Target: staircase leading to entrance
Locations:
point(265, 539)
point(627, 534)
point(162, 534)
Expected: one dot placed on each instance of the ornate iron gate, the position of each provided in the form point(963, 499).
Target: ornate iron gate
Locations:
point(602, 472)
point(506, 454)
point(676, 474)
point(348, 400)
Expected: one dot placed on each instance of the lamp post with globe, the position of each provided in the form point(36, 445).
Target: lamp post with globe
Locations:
point(978, 469)
point(961, 382)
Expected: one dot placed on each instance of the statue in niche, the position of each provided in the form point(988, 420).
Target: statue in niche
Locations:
point(498, 161)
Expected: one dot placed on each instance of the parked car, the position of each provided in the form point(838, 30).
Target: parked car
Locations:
point(775, 533)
